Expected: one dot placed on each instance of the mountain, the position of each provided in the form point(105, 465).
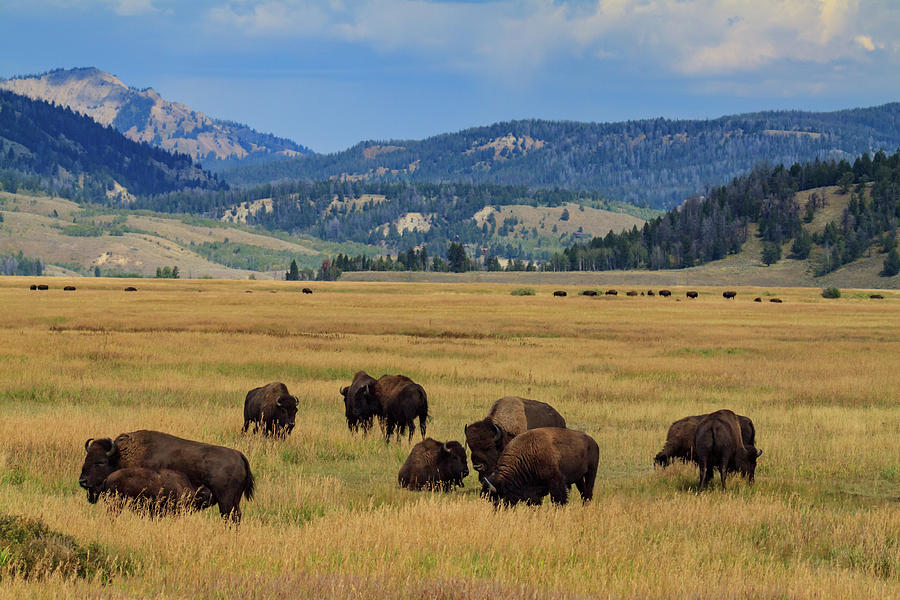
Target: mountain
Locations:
point(47, 146)
point(656, 163)
point(144, 116)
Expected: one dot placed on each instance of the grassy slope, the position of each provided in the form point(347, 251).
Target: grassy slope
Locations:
point(328, 520)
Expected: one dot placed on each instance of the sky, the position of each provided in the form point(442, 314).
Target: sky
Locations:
point(332, 73)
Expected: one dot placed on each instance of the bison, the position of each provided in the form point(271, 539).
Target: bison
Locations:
point(775, 300)
point(272, 407)
point(32, 287)
point(43, 287)
point(631, 293)
point(691, 294)
point(680, 439)
point(69, 288)
point(224, 471)
point(159, 491)
point(729, 295)
point(719, 444)
point(876, 297)
point(542, 461)
point(306, 291)
point(508, 417)
point(589, 293)
point(757, 299)
point(559, 293)
point(650, 293)
point(395, 400)
point(433, 465)
point(665, 293)
point(612, 293)
point(131, 289)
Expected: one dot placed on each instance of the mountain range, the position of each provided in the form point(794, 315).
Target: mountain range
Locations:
point(144, 116)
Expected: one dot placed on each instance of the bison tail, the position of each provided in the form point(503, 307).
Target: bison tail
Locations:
point(423, 412)
point(249, 482)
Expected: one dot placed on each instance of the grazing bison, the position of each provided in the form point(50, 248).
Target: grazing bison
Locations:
point(665, 293)
point(775, 300)
point(542, 461)
point(509, 416)
point(433, 465)
point(650, 293)
point(159, 491)
point(680, 439)
point(588, 293)
point(757, 299)
point(131, 289)
point(395, 400)
point(720, 444)
point(631, 293)
point(729, 295)
point(272, 407)
point(306, 291)
point(33, 287)
point(224, 471)
point(876, 297)
point(69, 288)
point(691, 294)
point(43, 287)
point(560, 293)
point(612, 293)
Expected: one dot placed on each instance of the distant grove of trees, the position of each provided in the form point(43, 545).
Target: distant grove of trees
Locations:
point(19, 264)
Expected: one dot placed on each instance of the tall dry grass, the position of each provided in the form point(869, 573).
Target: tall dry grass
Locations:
point(818, 377)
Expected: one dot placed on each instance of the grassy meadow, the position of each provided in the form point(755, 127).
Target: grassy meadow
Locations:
point(819, 378)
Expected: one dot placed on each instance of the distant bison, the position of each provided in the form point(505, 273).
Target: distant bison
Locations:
point(775, 300)
point(631, 293)
point(691, 294)
point(665, 293)
point(680, 439)
point(130, 289)
point(33, 287)
point(542, 461)
point(559, 293)
point(509, 416)
point(433, 465)
point(69, 288)
point(159, 491)
point(876, 297)
point(588, 293)
point(395, 400)
point(224, 471)
point(43, 287)
point(719, 444)
point(650, 293)
point(272, 407)
point(757, 299)
point(729, 295)
point(612, 292)
point(306, 291)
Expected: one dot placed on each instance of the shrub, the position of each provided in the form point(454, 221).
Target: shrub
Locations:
point(831, 292)
point(523, 292)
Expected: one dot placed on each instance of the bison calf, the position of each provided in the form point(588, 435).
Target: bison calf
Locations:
point(272, 407)
point(719, 444)
point(159, 491)
point(544, 461)
point(433, 465)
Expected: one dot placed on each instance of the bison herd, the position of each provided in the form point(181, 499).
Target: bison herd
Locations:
point(522, 451)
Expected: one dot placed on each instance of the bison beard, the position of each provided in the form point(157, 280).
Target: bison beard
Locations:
point(224, 471)
point(542, 461)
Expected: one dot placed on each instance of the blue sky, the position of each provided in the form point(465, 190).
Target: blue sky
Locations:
point(329, 74)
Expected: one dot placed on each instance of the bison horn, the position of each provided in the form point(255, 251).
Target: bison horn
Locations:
point(758, 453)
point(498, 433)
point(446, 446)
point(88, 443)
point(490, 485)
point(112, 448)
point(343, 391)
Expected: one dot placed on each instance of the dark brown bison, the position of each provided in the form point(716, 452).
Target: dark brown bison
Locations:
point(508, 417)
point(559, 293)
point(433, 465)
point(729, 295)
point(757, 299)
point(612, 293)
point(876, 297)
point(395, 400)
point(650, 293)
point(588, 293)
point(631, 293)
point(69, 288)
point(542, 461)
point(307, 291)
point(131, 289)
point(680, 439)
point(271, 407)
point(43, 287)
point(691, 294)
point(33, 287)
point(665, 293)
point(224, 471)
point(719, 444)
point(775, 300)
point(158, 490)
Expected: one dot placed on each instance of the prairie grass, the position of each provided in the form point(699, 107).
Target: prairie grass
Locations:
point(818, 377)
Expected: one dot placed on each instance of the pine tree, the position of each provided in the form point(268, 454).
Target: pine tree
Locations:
point(293, 273)
point(891, 264)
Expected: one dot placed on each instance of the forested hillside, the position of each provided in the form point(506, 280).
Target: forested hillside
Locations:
point(654, 163)
point(51, 147)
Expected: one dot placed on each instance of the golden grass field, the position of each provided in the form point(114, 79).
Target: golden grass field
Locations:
point(820, 379)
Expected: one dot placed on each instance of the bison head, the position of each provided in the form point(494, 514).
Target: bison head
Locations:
point(747, 467)
point(361, 404)
point(284, 415)
point(203, 498)
point(101, 460)
point(452, 466)
point(486, 440)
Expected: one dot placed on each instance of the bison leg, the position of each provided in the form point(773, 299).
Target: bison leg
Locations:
point(705, 473)
point(585, 485)
point(723, 469)
point(559, 491)
point(411, 427)
point(246, 425)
